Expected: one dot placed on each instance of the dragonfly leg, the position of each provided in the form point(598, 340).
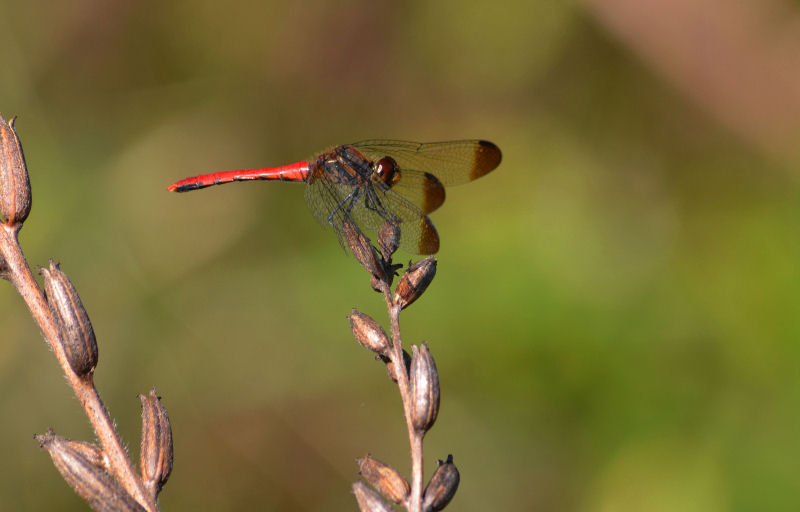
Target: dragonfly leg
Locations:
point(346, 205)
point(373, 203)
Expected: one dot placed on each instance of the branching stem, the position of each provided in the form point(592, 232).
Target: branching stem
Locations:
point(415, 439)
point(20, 275)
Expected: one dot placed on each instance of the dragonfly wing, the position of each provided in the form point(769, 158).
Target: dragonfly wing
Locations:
point(453, 162)
point(369, 208)
point(417, 233)
point(423, 189)
point(324, 200)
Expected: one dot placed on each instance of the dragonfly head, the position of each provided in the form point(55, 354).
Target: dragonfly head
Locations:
point(385, 170)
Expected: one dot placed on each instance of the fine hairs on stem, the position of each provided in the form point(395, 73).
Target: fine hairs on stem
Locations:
point(102, 474)
point(415, 375)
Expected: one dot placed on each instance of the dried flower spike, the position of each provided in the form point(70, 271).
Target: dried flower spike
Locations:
point(75, 330)
point(155, 457)
point(424, 384)
point(414, 282)
point(15, 186)
point(368, 332)
point(368, 500)
point(442, 487)
point(80, 468)
point(384, 478)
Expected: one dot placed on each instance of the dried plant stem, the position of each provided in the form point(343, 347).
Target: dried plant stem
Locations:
point(415, 375)
point(19, 273)
point(415, 439)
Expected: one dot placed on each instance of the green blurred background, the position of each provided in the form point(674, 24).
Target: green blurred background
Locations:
point(615, 316)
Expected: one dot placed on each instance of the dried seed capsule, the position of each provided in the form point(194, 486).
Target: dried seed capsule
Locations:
point(384, 478)
point(80, 467)
point(15, 186)
point(75, 330)
point(424, 384)
point(369, 500)
point(368, 332)
point(363, 250)
point(414, 282)
point(155, 457)
point(442, 487)
point(389, 239)
point(91, 453)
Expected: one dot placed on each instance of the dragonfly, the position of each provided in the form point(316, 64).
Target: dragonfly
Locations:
point(372, 182)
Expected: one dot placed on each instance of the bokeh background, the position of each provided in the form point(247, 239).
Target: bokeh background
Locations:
point(615, 316)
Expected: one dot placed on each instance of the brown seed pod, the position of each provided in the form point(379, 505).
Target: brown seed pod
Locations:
point(155, 457)
point(424, 384)
point(414, 282)
point(363, 250)
point(368, 332)
point(442, 486)
point(75, 330)
point(368, 500)
point(384, 478)
point(15, 186)
point(81, 467)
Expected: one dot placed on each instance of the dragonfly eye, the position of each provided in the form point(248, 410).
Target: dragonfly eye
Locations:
point(386, 170)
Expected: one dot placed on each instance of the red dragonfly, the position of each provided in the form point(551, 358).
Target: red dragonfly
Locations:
point(372, 182)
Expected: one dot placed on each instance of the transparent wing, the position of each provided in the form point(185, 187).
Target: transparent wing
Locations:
point(417, 233)
point(323, 199)
point(423, 189)
point(452, 162)
point(369, 208)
